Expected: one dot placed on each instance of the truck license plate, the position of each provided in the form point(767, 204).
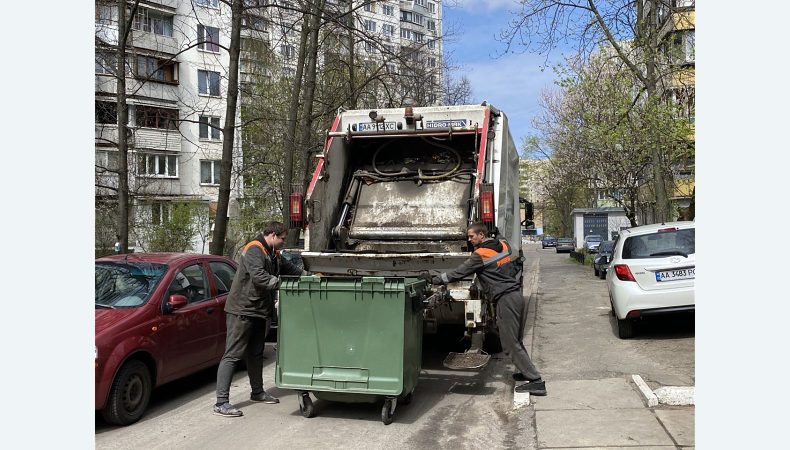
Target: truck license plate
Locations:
point(672, 275)
point(373, 126)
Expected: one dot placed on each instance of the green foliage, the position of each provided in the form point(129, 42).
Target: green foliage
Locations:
point(175, 234)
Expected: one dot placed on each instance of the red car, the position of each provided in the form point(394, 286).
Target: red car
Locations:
point(159, 317)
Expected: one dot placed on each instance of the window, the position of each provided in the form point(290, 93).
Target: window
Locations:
point(156, 165)
point(432, 25)
point(391, 68)
point(160, 213)
point(209, 172)
point(153, 22)
point(431, 62)
point(405, 34)
point(369, 47)
point(209, 3)
point(106, 160)
point(106, 112)
point(208, 39)
point(418, 37)
point(369, 7)
point(389, 48)
point(289, 72)
point(418, 19)
point(406, 16)
point(370, 26)
point(388, 10)
point(223, 276)
point(422, 3)
point(388, 29)
point(287, 51)
point(208, 83)
point(154, 117)
point(682, 48)
point(106, 63)
point(255, 23)
point(156, 69)
point(209, 128)
point(431, 44)
point(432, 7)
point(656, 245)
point(191, 283)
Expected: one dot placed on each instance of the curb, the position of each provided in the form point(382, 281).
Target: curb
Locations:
point(665, 395)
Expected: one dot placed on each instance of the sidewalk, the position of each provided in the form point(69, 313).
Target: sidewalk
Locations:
point(603, 413)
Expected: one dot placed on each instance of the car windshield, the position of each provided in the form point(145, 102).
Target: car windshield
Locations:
point(607, 246)
point(594, 238)
point(660, 244)
point(126, 284)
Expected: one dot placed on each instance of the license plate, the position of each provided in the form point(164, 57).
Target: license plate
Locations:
point(672, 275)
point(373, 126)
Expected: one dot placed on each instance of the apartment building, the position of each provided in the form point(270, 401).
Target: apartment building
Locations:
point(176, 84)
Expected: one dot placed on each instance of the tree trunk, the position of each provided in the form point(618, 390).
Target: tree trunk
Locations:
point(289, 146)
point(124, 200)
point(352, 88)
point(662, 202)
point(228, 130)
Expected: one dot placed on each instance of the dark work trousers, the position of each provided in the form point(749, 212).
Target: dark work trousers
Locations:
point(246, 338)
point(511, 312)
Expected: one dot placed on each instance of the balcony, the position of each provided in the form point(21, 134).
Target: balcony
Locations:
point(156, 139)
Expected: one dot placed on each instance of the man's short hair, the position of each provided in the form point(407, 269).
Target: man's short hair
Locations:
point(275, 227)
point(478, 228)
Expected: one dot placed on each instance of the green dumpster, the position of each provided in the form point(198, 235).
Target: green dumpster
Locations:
point(350, 339)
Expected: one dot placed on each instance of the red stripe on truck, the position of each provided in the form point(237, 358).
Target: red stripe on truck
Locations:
point(320, 165)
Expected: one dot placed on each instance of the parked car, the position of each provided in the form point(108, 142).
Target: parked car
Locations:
point(591, 242)
point(565, 245)
point(159, 317)
point(548, 241)
point(600, 262)
point(651, 272)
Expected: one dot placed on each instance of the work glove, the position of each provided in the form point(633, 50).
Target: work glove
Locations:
point(437, 280)
point(425, 276)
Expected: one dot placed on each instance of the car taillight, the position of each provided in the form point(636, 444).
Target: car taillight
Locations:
point(297, 210)
point(623, 273)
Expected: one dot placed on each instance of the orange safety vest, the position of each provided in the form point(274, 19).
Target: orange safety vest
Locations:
point(257, 243)
point(491, 256)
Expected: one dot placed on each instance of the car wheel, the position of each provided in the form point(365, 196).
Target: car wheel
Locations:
point(129, 394)
point(602, 274)
point(596, 272)
point(625, 328)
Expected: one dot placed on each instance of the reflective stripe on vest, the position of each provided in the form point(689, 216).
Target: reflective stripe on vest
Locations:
point(490, 256)
point(256, 243)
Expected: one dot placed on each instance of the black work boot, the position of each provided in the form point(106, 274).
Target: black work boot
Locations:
point(534, 387)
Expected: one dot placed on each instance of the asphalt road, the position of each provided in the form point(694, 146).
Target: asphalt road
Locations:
point(574, 338)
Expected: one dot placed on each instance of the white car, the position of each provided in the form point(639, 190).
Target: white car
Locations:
point(651, 272)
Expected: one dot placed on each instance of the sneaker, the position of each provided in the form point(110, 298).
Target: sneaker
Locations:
point(265, 398)
point(518, 376)
point(227, 410)
point(534, 387)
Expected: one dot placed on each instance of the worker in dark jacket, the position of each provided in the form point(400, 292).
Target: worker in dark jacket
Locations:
point(492, 262)
point(248, 312)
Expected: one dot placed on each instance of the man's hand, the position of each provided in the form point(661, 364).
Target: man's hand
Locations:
point(425, 276)
point(317, 274)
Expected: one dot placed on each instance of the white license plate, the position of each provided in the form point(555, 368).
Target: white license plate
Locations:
point(672, 275)
point(373, 126)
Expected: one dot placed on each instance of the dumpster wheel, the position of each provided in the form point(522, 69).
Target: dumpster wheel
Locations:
point(306, 405)
point(388, 410)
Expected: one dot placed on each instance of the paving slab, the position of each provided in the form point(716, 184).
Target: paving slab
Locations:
point(600, 428)
point(649, 447)
point(608, 393)
point(679, 423)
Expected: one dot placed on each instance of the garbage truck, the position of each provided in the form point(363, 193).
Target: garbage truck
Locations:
point(393, 193)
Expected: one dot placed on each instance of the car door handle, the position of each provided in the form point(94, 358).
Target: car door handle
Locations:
point(209, 310)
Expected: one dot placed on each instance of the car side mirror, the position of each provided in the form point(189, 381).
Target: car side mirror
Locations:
point(604, 260)
point(176, 302)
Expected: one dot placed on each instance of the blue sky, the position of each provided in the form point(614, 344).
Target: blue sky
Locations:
point(512, 82)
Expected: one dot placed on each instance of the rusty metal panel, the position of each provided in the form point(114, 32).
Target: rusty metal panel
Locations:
point(406, 210)
point(381, 264)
